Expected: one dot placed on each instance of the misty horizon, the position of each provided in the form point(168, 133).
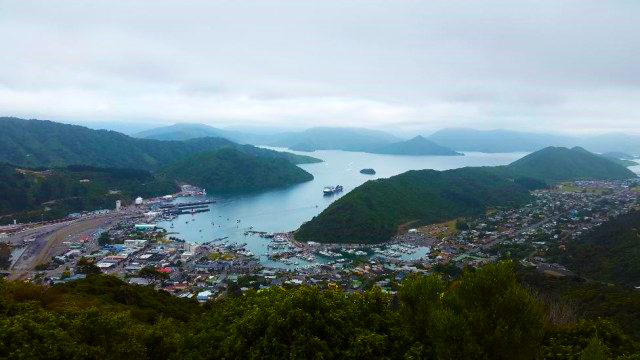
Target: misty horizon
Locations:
point(133, 128)
point(409, 67)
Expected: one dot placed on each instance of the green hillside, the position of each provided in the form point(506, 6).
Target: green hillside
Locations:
point(416, 146)
point(609, 253)
point(50, 194)
point(229, 169)
point(562, 164)
point(608, 272)
point(372, 212)
point(35, 143)
point(30, 194)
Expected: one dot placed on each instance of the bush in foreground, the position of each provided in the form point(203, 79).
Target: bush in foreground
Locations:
point(484, 314)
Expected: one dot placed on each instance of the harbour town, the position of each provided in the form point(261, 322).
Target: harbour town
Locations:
point(135, 244)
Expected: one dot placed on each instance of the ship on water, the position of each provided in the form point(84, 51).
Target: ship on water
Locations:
point(332, 189)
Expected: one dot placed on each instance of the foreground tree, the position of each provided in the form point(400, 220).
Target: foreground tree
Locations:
point(87, 267)
point(152, 274)
point(484, 314)
point(5, 255)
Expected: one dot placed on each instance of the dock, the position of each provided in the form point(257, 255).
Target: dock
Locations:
point(186, 208)
point(187, 204)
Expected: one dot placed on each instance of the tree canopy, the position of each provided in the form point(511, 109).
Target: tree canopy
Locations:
point(484, 314)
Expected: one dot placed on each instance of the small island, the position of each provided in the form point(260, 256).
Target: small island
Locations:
point(368, 171)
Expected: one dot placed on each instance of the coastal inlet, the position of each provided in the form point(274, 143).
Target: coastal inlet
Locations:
point(283, 210)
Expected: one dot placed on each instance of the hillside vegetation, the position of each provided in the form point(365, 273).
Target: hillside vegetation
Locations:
point(229, 169)
point(561, 164)
point(609, 253)
point(372, 212)
point(35, 143)
point(54, 193)
point(482, 315)
point(50, 159)
point(607, 273)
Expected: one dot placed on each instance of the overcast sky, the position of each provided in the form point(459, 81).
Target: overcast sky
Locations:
point(546, 66)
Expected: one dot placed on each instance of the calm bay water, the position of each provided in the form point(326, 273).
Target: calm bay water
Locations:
point(285, 209)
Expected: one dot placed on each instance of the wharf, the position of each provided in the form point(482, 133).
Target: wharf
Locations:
point(189, 204)
point(186, 211)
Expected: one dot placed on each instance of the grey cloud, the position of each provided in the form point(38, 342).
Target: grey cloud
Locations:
point(549, 65)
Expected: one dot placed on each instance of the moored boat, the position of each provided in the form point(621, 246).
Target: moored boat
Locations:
point(328, 190)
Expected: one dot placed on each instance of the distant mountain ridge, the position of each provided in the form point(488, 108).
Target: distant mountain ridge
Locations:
point(181, 132)
point(354, 139)
point(336, 138)
point(185, 131)
point(615, 142)
point(416, 146)
point(317, 138)
point(492, 141)
point(372, 212)
point(35, 143)
point(364, 140)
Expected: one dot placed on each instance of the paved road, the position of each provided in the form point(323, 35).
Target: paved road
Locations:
point(48, 240)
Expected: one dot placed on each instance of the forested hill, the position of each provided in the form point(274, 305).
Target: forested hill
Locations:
point(416, 146)
point(46, 143)
point(562, 164)
point(372, 212)
point(609, 253)
point(229, 169)
point(54, 193)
